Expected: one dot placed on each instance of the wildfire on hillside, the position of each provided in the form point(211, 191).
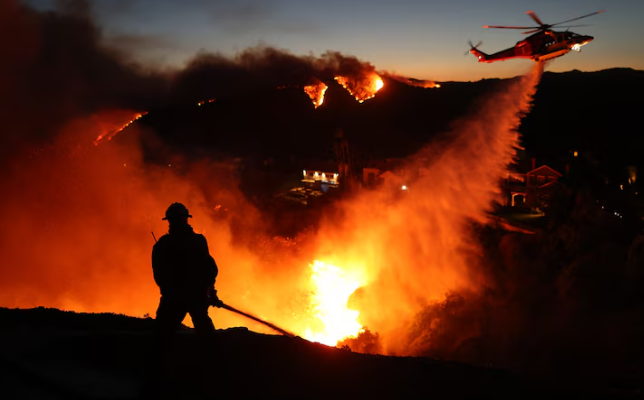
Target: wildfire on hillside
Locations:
point(201, 103)
point(362, 87)
point(108, 122)
point(316, 92)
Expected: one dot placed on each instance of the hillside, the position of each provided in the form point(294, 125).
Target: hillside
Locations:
point(588, 111)
point(50, 354)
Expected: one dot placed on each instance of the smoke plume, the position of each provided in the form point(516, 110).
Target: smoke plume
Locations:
point(214, 75)
point(55, 68)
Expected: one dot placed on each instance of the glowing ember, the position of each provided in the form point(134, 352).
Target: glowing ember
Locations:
point(362, 88)
point(109, 134)
point(333, 286)
point(201, 103)
point(316, 93)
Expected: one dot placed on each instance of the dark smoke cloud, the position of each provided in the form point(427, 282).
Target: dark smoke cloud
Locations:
point(211, 75)
point(55, 68)
point(58, 66)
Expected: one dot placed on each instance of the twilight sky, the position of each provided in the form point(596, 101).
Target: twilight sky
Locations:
point(424, 39)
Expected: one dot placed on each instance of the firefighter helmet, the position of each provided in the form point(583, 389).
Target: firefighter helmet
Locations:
point(175, 211)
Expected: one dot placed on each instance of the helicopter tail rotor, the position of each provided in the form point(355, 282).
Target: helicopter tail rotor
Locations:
point(472, 46)
point(482, 57)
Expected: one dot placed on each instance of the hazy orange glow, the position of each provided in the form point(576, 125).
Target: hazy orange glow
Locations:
point(363, 87)
point(332, 288)
point(109, 130)
point(80, 225)
point(316, 93)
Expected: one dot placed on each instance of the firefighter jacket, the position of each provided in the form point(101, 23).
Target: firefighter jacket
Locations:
point(182, 263)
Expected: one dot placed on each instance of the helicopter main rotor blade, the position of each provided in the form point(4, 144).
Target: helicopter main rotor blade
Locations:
point(572, 26)
point(532, 31)
point(509, 27)
point(583, 16)
point(535, 18)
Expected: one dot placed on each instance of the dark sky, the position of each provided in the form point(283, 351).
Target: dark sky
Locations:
point(419, 38)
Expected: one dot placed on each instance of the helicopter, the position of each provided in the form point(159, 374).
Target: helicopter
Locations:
point(545, 44)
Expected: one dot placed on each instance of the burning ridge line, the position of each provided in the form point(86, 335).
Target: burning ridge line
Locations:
point(110, 134)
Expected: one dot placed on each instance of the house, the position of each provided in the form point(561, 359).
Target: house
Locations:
point(390, 179)
point(389, 172)
point(533, 189)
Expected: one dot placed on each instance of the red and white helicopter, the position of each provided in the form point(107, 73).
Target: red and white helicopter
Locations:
point(544, 45)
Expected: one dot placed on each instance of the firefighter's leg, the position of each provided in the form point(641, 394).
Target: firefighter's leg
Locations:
point(160, 374)
point(170, 314)
point(207, 344)
point(200, 318)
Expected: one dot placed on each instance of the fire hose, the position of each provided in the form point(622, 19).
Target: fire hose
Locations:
point(261, 321)
point(221, 304)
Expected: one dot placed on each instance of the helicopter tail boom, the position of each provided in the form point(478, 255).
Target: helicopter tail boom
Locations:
point(478, 53)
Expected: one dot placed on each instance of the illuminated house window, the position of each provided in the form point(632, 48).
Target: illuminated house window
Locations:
point(320, 176)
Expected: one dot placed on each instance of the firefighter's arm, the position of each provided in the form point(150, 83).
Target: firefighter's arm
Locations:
point(159, 269)
point(209, 262)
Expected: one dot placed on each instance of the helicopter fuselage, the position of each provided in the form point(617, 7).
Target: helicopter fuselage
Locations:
point(541, 46)
point(544, 44)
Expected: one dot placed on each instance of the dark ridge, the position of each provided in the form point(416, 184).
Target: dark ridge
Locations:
point(593, 112)
point(52, 318)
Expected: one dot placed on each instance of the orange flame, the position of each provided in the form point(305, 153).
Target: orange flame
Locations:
point(362, 88)
point(109, 133)
point(316, 92)
point(332, 288)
